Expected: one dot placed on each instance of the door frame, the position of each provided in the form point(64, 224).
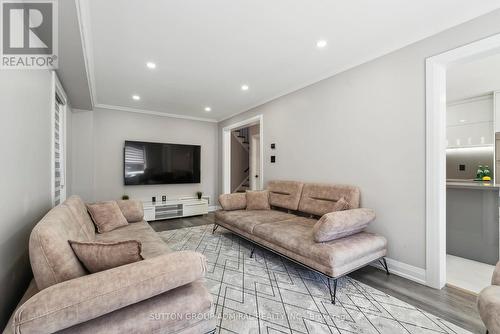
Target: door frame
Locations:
point(226, 150)
point(435, 166)
point(254, 185)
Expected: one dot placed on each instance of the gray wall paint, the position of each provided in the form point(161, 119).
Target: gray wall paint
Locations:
point(99, 136)
point(25, 177)
point(366, 126)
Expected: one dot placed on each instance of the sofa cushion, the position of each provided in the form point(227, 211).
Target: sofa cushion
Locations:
point(236, 201)
point(258, 200)
point(81, 215)
point(152, 244)
point(318, 199)
point(52, 259)
point(285, 194)
point(246, 220)
point(106, 216)
point(99, 256)
point(132, 210)
point(335, 225)
point(296, 236)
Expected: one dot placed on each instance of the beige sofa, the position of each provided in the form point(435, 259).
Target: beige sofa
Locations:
point(489, 303)
point(288, 227)
point(164, 293)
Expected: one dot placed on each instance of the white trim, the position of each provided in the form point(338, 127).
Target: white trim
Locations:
point(82, 12)
point(402, 269)
point(436, 151)
point(226, 150)
point(154, 113)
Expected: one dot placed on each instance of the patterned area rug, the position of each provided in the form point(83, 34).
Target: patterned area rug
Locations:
point(268, 294)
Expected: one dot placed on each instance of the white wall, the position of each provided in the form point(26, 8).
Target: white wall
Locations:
point(25, 146)
point(98, 139)
point(366, 126)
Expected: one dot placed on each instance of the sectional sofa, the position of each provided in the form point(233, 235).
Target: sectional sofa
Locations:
point(163, 293)
point(319, 226)
point(488, 303)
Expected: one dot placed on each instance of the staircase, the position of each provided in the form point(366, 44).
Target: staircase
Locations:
point(244, 186)
point(243, 138)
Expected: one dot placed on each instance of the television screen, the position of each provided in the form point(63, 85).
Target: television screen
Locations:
point(156, 163)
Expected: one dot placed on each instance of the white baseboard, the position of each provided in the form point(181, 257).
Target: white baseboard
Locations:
point(404, 270)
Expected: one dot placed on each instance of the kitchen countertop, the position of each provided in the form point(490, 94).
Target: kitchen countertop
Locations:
point(469, 184)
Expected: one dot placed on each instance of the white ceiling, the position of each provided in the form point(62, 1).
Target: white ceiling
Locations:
point(205, 50)
point(473, 79)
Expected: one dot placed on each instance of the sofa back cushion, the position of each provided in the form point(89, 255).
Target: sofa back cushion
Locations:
point(285, 194)
point(51, 256)
point(319, 198)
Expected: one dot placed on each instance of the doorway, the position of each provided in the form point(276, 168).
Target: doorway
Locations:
point(242, 155)
point(436, 144)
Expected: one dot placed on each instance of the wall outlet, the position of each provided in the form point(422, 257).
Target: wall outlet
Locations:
point(461, 167)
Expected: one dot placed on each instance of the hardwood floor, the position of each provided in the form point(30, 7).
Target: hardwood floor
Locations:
point(449, 303)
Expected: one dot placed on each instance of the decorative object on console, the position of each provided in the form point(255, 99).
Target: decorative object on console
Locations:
point(107, 216)
point(99, 256)
point(199, 194)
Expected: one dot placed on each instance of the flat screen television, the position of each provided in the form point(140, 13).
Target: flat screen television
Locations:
point(157, 163)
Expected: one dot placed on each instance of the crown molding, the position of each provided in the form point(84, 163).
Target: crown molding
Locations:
point(153, 113)
point(82, 11)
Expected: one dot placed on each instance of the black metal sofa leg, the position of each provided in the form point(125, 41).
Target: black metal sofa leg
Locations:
point(333, 295)
point(383, 262)
point(253, 250)
point(215, 228)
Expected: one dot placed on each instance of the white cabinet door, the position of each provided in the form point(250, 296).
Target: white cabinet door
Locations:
point(496, 103)
point(470, 123)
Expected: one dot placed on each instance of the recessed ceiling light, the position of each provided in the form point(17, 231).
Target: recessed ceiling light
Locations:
point(462, 121)
point(136, 97)
point(208, 109)
point(151, 65)
point(321, 43)
point(244, 87)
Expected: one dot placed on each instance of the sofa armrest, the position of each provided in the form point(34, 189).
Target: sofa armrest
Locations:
point(495, 279)
point(488, 304)
point(339, 224)
point(235, 201)
point(81, 299)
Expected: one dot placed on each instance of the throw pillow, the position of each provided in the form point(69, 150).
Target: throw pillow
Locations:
point(339, 224)
point(99, 256)
point(236, 201)
point(341, 205)
point(106, 216)
point(258, 200)
point(132, 210)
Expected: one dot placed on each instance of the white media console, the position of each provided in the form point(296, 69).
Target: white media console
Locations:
point(183, 207)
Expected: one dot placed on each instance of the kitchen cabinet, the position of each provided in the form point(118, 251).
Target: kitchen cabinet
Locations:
point(470, 122)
